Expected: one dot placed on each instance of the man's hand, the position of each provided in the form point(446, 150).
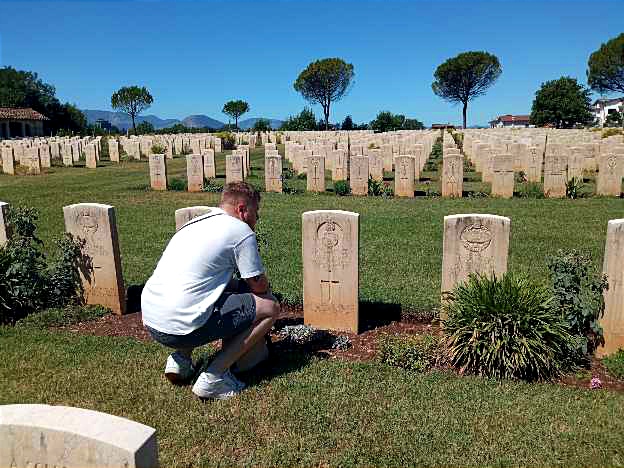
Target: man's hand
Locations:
point(258, 284)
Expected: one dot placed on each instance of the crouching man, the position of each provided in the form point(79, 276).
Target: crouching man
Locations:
point(192, 298)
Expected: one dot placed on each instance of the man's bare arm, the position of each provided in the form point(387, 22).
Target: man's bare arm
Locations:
point(259, 284)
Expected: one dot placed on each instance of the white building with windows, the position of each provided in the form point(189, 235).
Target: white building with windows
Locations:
point(603, 107)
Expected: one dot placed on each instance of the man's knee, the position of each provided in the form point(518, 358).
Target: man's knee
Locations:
point(267, 306)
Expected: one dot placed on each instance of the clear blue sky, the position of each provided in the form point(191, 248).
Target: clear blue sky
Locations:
point(193, 56)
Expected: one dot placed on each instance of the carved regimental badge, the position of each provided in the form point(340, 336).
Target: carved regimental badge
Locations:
point(476, 237)
point(329, 251)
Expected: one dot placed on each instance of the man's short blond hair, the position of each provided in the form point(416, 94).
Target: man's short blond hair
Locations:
point(236, 192)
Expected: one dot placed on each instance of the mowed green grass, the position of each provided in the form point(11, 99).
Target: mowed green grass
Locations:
point(400, 239)
point(303, 411)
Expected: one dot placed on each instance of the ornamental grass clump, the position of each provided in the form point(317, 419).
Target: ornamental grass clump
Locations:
point(505, 328)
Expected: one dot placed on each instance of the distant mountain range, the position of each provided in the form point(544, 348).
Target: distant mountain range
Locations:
point(123, 121)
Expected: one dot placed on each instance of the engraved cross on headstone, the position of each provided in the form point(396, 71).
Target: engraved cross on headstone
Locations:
point(326, 290)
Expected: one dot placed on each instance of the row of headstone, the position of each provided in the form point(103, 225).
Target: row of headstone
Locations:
point(557, 155)
point(473, 243)
point(36, 154)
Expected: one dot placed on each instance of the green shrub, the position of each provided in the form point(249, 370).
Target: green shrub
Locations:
point(611, 132)
point(288, 188)
point(158, 149)
point(177, 185)
point(417, 353)
point(288, 173)
point(210, 185)
point(578, 297)
point(505, 328)
point(302, 176)
point(375, 187)
point(28, 280)
point(387, 191)
point(227, 140)
point(574, 188)
point(520, 177)
point(531, 190)
point(342, 188)
point(615, 364)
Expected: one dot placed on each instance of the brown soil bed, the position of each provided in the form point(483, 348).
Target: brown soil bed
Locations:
point(363, 346)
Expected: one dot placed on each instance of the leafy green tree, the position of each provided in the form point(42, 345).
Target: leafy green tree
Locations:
point(143, 128)
point(605, 68)
point(132, 100)
point(262, 125)
point(413, 124)
point(305, 120)
point(468, 75)
point(562, 103)
point(386, 121)
point(25, 89)
point(324, 82)
point(614, 119)
point(235, 109)
point(347, 123)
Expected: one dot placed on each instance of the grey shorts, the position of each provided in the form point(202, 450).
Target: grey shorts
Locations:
point(231, 314)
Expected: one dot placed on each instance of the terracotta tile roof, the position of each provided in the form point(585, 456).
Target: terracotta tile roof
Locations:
point(20, 114)
point(513, 118)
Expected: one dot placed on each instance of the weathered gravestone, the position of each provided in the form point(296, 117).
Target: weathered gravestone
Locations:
point(404, 176)
point(102, 279)
point(273, 173)
point(184, 215)
point(315, 174)
point(555, 175)
point(44, 156)
point(113, 150)
point(34, 162)
point(66, 153)
point(534, 173)
point(210, 169)
point(75, 150)
point(609, 179)
point(90, 157)
point(158, 171)
point(452, 174)
point(519, 156)
point(330, 247)
point(473, 243)
point(503, 177)
point(134, 150)
point(61, 436)
point(4, 213)
point(339, 165)
point(55, 150)
point(386, 154)
point(613, 319)
point(8, 166)
point(233, 168)
point(358, 176)
point(575, 163)
point(375, 164)
point(194, 172)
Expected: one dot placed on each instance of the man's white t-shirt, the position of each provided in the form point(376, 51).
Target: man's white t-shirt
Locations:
point(194, 270)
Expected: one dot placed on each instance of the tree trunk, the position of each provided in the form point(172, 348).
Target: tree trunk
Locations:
point(236, 119)
point(464, 113)
point(133, 124)
point(326, 110)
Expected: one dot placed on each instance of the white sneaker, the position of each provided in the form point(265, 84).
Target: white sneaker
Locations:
point(179, 368)
point(232, 378)
point(217, 387)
